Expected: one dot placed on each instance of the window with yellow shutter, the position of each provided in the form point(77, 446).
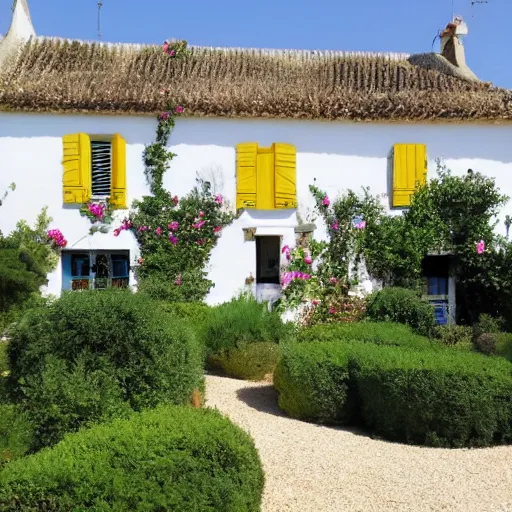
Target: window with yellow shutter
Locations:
point(409, 172)
point(266, 177)
point(94, 167)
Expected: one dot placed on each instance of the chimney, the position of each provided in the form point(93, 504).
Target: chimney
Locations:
point(452, 45)
point(20, 31)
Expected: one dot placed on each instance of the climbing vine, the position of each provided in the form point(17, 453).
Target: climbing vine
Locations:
point(175, 235)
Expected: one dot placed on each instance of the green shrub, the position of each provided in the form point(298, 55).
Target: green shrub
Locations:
point(82, 357)
point(454, 336)
point(16, 433)
point(250, 362)
point(504, 345)
point(380, 333)
point(447, 398)
point(168, 458)
point(241, 321)
point(485, 334)
point(190, 311)
point(403, 306)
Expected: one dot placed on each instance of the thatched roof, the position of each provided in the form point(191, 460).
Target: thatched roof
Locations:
point(52, 75)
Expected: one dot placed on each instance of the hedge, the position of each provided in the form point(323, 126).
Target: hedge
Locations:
point(168, 458)
point(380, 333)
point(443, 398)
point(97, 355)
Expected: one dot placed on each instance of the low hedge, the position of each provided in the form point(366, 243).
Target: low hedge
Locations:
point(251, 361)
point(168, 458)
point(380, 333)
point(444, 398)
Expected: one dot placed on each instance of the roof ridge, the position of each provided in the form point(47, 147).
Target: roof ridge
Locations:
point(301, 53)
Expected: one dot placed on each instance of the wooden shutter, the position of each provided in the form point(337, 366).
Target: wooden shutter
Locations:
point(409, 171)
point(265, 179)
point(76, 162)
point(246, 158)
point(285, 176)
point(118, 192)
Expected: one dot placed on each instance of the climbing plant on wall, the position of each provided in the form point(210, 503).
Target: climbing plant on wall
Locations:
point(175, 235)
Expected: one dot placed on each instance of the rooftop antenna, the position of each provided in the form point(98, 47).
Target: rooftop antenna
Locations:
point(100, 5)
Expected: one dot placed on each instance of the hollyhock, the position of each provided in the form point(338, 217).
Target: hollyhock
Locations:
point(308, 260)
point(219, 199)
point(165, 46)
point(326, 201)
point(179, 109)
point(480, 248)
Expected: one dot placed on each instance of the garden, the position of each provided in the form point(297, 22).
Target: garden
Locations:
point(102, 392)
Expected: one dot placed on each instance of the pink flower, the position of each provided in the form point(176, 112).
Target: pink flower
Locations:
point(200, 242)
point(172, 53)
point(178, 281)
point(333, 280)
point(140, 261)
point(164, 116)
point(165, 46)
point(335, 226)
point(308, 260)
point(332, 310)
point(315, 302)
point(175, 200)
point(360, 225)
point(480, 248)
point(179, 109)
point(217, 229)
point(116, 232)
point(286, 251)
point(201, 214)
point(219, 199)
point(158, 230)
point(326, 201)
point(173, 226)
point(173, 239)
point(199, 224)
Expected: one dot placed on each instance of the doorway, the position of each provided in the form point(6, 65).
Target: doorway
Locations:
point(268, 257)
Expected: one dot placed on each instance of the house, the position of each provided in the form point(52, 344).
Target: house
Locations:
point(260, 125)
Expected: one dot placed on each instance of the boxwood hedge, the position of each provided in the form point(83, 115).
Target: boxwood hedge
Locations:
point(168, 458)
point(439, 398)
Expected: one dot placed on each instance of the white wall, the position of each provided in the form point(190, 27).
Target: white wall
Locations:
point(339, 155)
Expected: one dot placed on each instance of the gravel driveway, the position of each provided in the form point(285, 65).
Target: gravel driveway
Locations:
point(322, 469)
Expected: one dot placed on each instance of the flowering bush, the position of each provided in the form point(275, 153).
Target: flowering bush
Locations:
point(176, 237)
point(176, 49)
point(57, 238)
point(97, 211)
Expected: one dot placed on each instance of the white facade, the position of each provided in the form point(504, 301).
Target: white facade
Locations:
point(338, 155)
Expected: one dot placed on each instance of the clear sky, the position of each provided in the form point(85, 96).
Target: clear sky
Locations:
point(360, 25)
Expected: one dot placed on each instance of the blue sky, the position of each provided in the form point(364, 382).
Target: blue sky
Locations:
point(361, 25)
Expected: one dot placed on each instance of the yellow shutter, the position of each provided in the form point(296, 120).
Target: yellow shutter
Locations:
point(76, 178)
point(265, 179)
point(118, 192)
point(285, 176)
point(246, 158)
point(409, 171)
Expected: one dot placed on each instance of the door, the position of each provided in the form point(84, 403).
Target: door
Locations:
point(268, 259)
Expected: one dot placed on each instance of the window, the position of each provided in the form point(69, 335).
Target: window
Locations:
point(266, 177)
point(101, 168)
point(94, 167)
point(95, 269)
point(409, 172)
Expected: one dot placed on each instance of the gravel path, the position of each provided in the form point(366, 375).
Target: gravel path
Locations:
point(322, 469)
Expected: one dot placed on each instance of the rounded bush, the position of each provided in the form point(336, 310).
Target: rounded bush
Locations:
point(98, 354)
point(168, 458)
point(250, 362)
point(440, 398)
point(403, 306)
point(241, 321)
